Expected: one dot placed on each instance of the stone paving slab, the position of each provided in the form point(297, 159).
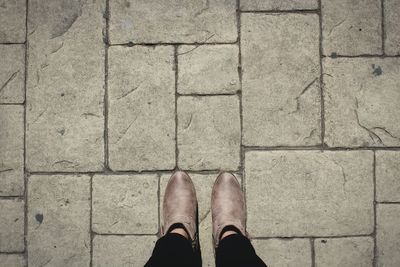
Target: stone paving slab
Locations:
point(11, 225)
point(12, 260)
point(361, 102)
point(12, 74)
point(12, 21)
point(59, 220)
point(351, 27)
point(175, 22)
point(208, 69)
point(65, 94)
point(133, 251)
point(125, 204)
point(278, 252)
point(142, 108)
point(208, 133)
point(388, 176)
point(344, 252)
point(387, 235)
point(309, 193)
point(281, 93)
point(203, 184)
point(392, 27)
point(259, 5)
point(11, 151)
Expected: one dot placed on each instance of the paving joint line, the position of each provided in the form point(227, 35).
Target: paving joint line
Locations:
point(361, 56)
point(176, 104)
point(26, 253)
point(131, 44)
point(105, 104)
point(319, 147)
point(321, 77)
point(374, 261)
point(282, 12)
point(383, 33)
point(91, 221)
point(310, 236)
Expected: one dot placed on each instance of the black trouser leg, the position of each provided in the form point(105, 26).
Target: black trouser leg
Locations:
point(237, 251)
point(174, 250)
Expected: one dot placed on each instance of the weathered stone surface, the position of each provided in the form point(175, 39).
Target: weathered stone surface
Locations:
point(308, 193)
point(278, 5)
point(208, 132)
point(65, 123)
point(142, 108)
point(12, 21)
point(11, 225)
point(362, 102)
point(12, 260)
point(387, 235)
point(351, 27)
point(388, 176)
point(344, 252)
point(392, 27)
point(141, 21)
point(277, 252)
point(58, 220)
point(281, 95)
point(11, 150)
point(12, 74)
point(203, 184)
point(122, 250)
point(208, 69)
point(125, 204)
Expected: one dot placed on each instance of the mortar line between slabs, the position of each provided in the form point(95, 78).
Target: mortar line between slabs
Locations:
point(383, 34)
point(176, 104)
point(321, 77)
point(374, 203)
point(312, 247)
point(106, 106)
point(26, 254)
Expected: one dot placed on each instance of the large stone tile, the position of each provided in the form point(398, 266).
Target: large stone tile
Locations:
point(12, 260)
point(387, 235)
point(11, 150)
point(203, 184)
point(351, 27)
point(309, 193)
point(208, 133)
point(278, 5)
point(344, 252)
point(131, 251)
point(12, 74)
point(142, 108)
point(362, 102)
point(392, 27)
point(208, 69)
point(173, 21)
point(278, 252)
point(11, 225)
point(388, 176)
point(281, 88)
point(125, 204)
point(65, 87)
point(59, 220)
point(12, 21)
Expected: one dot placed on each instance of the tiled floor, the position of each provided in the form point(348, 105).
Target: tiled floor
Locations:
point(100, 100)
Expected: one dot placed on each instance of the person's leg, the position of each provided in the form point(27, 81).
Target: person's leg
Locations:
point(236, 251)
point(178, 245)
point(173, 250)
point(232, 246)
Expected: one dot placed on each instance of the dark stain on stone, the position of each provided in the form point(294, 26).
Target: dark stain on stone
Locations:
point(62, 94)
point(39, 218)
point(377, 70)
point(61, 131)
point(334, 55)
point(130, 44)
point(127, 4)
point(323, 241)
point(68, 13)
